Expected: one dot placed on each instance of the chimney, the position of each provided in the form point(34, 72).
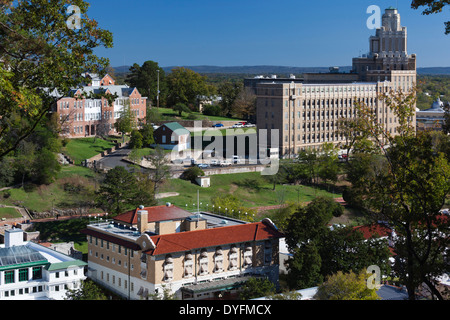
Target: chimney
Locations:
point(13, 237)
point(142, 222)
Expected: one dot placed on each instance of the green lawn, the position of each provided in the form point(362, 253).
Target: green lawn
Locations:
point(44, 197)
point(9, 213)
point(85, 148)
point(251, 188)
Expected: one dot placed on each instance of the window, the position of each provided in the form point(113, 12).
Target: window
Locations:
point(203, 262)
point(37, 273)
point(233, 258)
point(248, 253)
point(168, 268)
point(23, 274)
point(9, 277)
point(218, 260)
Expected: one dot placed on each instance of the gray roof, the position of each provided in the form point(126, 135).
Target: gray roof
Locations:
point(387, 292)
point(19, 255)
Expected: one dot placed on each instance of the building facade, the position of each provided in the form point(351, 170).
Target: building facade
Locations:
point(148, 251)
point(87, 111)
point(305, 114)
point(432, 118)
point(29, 271)
point(172, 136)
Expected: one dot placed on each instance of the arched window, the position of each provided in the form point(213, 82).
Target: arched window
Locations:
point(203, 263)
point(248, 256)
point(218, 260)
point(233, 258)
point(168, 268)
point(188, 265)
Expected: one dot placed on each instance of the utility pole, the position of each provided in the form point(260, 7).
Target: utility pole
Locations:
point(157, 92)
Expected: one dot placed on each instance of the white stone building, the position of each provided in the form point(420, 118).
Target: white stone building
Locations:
point(29, 271)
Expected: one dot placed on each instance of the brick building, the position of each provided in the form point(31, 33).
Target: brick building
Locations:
point(87, 112)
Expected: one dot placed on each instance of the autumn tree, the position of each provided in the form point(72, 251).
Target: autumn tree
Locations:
point(41, 55)
point(406, 187)
point(229, 91)
point(244, 105)
point(346, 286)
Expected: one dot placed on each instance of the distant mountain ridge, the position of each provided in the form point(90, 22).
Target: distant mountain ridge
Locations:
point(279, 70)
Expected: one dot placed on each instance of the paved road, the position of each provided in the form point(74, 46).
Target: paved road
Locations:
point(115, 159)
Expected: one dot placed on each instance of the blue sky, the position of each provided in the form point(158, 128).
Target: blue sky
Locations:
point(296, 33)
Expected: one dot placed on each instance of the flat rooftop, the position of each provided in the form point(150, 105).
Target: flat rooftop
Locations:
point(125, 231)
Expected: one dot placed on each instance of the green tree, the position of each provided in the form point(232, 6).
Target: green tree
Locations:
point(256, 288)
point(136, 139)
point(232, 206)
point(145, 79)
point(407, 187)
point(46, 167)
point(339, 247)
point(184, 86)
point(160, 168)
point(346, 286)
point(119, 191)
point(38, 50)
point(192, 173)
point(229, 92)
point(446, 124)
point(147, 135)
point(180, 108)
point(124, 123)
point(328, 163)
point(87, 291)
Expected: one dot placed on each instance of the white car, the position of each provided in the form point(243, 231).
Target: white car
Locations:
point(237, 125)
point(225, 163)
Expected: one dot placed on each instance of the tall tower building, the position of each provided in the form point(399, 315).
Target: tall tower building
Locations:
point(306, 112)
point(388, 51)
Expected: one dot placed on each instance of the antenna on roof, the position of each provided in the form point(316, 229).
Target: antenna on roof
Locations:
point(198, 201)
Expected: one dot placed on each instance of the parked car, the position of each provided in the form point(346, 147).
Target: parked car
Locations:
point(225, 163)
point(236, 159)
point(217, 125)
point(249, 125)
point(203, 165)
point(237, 125)
point(214, 162)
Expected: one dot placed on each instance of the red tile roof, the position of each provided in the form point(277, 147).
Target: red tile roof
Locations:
point(378, 230)
point(157, 213)
point(184, 241)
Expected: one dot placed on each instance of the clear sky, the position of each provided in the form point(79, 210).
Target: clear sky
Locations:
point(298, 33)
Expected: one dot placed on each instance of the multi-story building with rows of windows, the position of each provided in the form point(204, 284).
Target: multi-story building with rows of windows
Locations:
point(30, 271)
point(194, 256)
point(86, 111)
point(305, 112)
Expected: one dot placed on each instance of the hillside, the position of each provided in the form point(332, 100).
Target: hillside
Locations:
point(279, 70)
